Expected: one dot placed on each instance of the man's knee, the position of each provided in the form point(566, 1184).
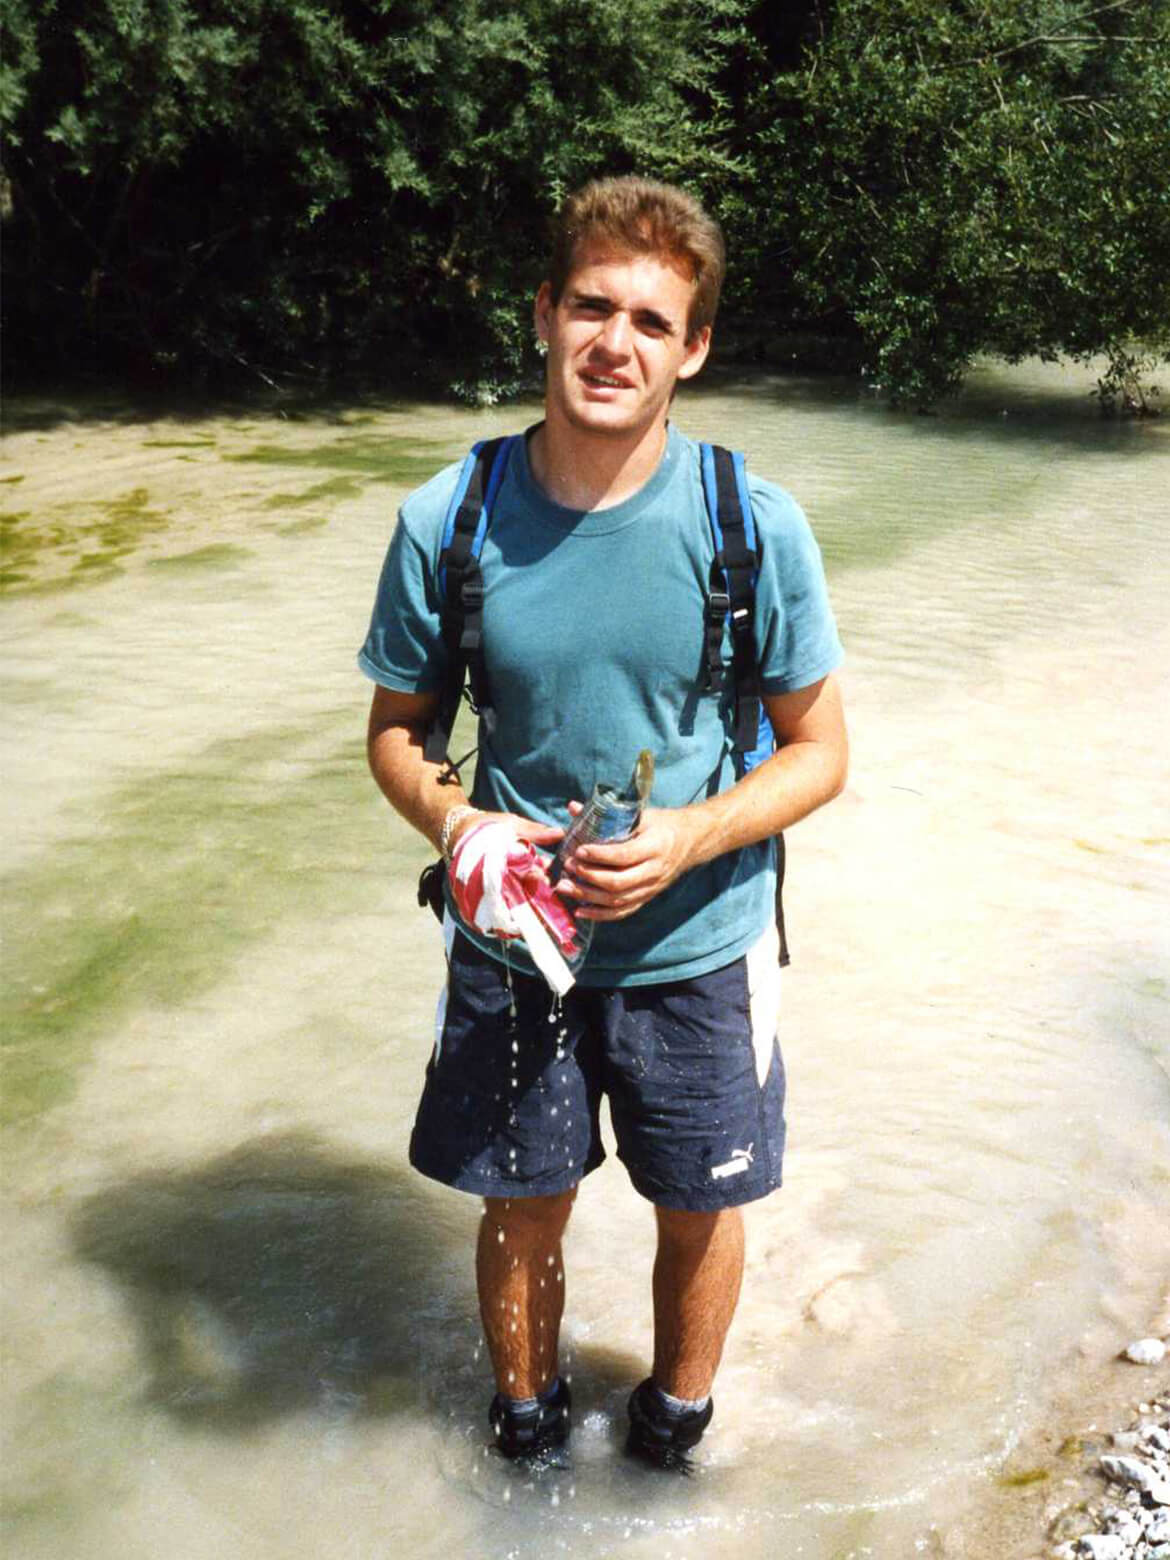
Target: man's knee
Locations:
point(540, 1219)
point(682, 1229)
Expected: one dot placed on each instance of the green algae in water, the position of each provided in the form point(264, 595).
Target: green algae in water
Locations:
point(179, 875)
point(375, 458)
point(334, 487)
point(302, 527)
point(96, 536)
point(178, 444)
point(218, 555)
point(1020, 1480)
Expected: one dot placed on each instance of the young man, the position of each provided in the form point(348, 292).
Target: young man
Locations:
point(595, 571)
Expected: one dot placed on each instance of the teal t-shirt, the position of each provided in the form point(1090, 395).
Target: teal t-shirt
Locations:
point(594, 649)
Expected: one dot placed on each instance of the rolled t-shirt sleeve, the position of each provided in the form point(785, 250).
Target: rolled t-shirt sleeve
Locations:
point(404, 647)
point(796, 634)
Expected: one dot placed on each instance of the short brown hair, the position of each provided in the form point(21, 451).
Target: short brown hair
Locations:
point(642, 217)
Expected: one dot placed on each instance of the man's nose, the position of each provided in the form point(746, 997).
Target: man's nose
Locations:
point(615, 334)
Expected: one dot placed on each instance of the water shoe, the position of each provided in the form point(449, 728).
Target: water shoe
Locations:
point(532, 1434)
point(661, 1438)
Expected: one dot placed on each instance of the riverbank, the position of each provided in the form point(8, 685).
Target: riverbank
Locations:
point(1052, 1491)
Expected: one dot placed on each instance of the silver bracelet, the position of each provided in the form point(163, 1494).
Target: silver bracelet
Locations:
point(450, 823)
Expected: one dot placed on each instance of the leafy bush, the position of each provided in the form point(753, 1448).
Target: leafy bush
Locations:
point(318, 185)
point(962, 176)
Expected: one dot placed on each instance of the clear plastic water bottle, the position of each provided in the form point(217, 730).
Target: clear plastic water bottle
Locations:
point(609, 815)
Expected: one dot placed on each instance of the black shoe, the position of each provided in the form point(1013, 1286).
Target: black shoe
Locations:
point(533, 1434)
point(661, 1438)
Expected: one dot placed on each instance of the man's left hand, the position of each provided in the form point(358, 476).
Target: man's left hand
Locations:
point(607, 882)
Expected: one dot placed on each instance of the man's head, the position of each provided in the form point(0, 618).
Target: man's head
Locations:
point(633, 216)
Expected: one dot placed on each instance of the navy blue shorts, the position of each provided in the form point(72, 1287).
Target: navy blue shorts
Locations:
point(691, 1068)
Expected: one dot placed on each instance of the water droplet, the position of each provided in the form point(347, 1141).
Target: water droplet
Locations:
point(552, 1261)
point(554, 1110)
point(500, 1236)
point(511, 1377)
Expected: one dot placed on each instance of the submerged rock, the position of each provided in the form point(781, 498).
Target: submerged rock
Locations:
point(1146, 1351)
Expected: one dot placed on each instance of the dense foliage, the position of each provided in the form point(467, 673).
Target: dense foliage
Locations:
point(959, 176)
point(280, 187)
point(320, 183)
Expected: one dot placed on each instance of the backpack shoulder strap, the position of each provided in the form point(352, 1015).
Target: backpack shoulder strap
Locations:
point(461, 585)
point(733, 591)
point(732, 588)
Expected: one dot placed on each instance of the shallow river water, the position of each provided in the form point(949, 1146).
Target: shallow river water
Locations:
point(237, 1324)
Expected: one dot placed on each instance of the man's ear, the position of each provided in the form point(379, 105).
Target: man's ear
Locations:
point(542, 311)
point(695, 353)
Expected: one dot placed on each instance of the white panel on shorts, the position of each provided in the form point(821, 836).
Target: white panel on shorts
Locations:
point(449, 929)
point(763, 977)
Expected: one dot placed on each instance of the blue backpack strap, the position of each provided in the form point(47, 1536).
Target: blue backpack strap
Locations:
point(733, 594)
point(461, 586)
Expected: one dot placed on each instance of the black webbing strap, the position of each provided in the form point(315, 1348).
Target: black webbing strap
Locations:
point(737, 563)
point(461, 583)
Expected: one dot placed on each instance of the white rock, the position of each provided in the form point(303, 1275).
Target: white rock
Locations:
point(1158, 1528)
point(1156, 1436)
point(1103, 1546)
point(1131, 1471)
point(1146, 1351)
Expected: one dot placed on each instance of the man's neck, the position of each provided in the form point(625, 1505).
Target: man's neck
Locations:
point(583, 470)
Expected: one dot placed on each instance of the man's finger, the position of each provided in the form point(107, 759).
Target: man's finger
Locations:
point(538, 833)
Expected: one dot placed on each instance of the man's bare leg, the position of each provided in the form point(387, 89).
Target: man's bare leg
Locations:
point(697, 1274)
point(520, 1273)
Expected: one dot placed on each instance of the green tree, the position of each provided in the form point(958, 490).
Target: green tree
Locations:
point(322, 184)
point(953, 177)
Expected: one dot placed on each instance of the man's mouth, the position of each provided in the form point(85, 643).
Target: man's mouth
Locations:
point(605, 381)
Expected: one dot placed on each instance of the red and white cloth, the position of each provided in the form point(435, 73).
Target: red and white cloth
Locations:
point(500, 887)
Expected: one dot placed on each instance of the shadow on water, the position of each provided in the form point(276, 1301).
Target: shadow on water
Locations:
point(996, 400)
point(278, 1277)
point(34, 410)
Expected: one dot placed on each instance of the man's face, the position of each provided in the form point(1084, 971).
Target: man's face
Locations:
point(617, 341)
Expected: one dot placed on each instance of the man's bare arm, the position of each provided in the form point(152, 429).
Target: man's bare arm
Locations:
point(612, 881)
point(424, 792)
